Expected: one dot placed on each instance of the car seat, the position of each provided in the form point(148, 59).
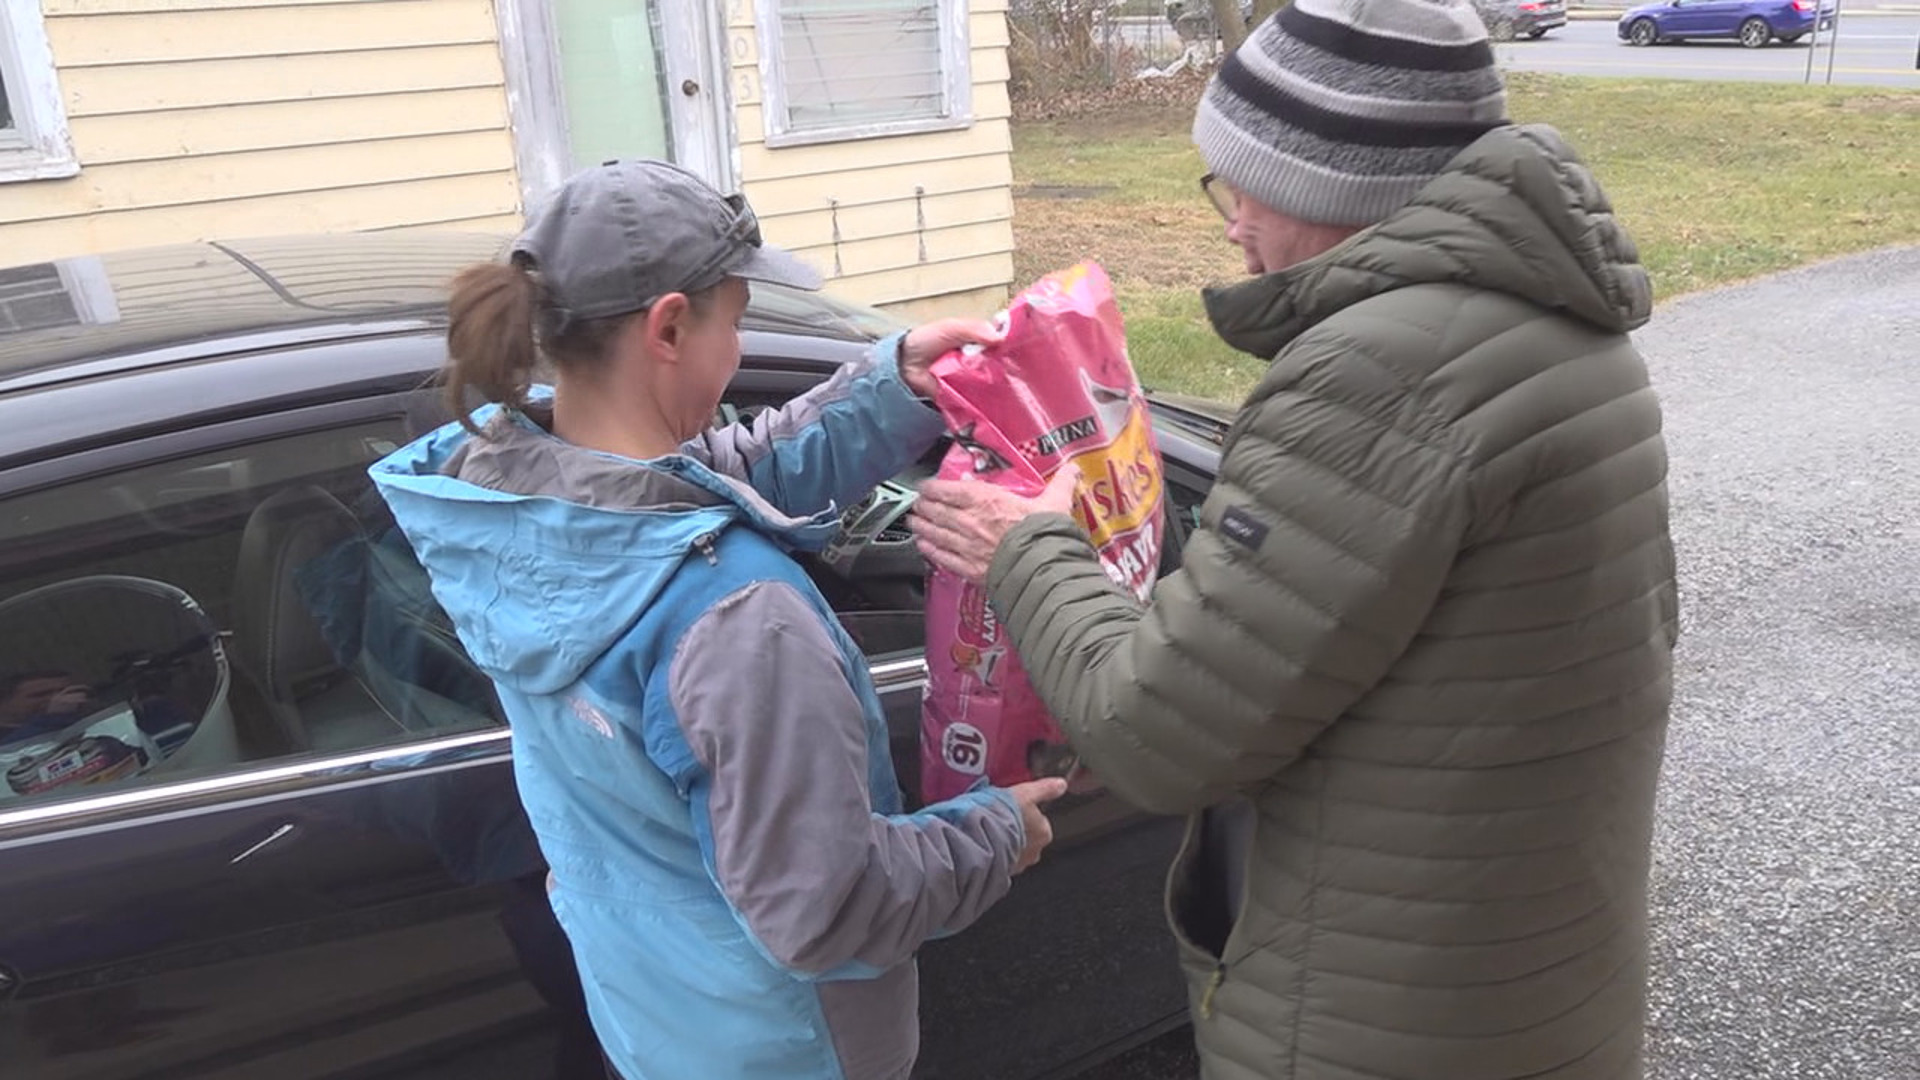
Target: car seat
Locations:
point(278, 643)
point(341, 634)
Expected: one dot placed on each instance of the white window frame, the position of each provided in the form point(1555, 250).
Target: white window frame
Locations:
point(701, 125)
point(956, 82)
point(38, 146)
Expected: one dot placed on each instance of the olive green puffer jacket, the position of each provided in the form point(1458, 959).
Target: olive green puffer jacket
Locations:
point(1422, 638)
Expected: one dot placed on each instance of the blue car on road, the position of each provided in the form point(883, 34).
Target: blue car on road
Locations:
point(1753, 23)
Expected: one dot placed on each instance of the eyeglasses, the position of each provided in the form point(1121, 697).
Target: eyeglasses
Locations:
point(1224, 198)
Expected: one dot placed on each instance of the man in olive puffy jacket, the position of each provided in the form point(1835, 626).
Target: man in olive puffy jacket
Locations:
point(1412, 682)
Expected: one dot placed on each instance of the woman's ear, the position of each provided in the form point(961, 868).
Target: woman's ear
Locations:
point(665, 326)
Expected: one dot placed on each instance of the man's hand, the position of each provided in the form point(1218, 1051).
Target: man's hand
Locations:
point(1030, 797)
point(959, 524)
point(931, 341)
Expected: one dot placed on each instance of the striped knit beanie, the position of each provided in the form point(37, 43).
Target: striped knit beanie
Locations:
point(1337, 112)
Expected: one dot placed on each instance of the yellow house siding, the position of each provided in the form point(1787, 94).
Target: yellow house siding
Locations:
point(918, 217)
point(113, 33)
point(132, 136)
point(813, 229)
point(923, 284)
point(133, 89)
point(205, 118)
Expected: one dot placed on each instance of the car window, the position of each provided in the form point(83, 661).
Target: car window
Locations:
point(1186, 491)
point(195, 615)
point(877, 588)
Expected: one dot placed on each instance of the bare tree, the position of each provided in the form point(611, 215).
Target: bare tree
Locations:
point(1233, 31)
point(1264, 9)
point(1226, 16)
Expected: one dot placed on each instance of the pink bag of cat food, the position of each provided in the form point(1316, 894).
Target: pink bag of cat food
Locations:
point(1059, 389)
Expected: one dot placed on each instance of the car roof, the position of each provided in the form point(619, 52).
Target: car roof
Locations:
point(97, 349)
point(96, 314)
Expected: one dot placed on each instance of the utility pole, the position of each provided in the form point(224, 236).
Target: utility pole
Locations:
point(1833, 40)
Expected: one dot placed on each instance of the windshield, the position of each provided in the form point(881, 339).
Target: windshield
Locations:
point(778, 309)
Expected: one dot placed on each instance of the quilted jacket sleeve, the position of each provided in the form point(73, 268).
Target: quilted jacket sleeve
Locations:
point(1338, 510)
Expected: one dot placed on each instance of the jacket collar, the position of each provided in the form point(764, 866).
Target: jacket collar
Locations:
point(1516, 212)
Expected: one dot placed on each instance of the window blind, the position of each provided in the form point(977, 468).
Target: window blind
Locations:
point(849, 63)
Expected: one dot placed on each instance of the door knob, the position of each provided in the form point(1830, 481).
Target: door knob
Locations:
point(690, 88)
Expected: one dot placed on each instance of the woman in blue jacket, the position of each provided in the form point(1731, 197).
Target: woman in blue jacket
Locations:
point(698, 745)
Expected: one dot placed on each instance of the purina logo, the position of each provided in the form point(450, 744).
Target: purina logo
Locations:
point(593, 717)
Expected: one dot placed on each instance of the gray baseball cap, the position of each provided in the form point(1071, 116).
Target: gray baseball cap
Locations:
point(618, 236)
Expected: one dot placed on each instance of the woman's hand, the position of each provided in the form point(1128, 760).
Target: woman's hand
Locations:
point(1032, 798)
point(931, 341)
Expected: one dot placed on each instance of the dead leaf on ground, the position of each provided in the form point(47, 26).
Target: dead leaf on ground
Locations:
point(1883, 103)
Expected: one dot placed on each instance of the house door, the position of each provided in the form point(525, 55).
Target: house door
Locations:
point(593, 80)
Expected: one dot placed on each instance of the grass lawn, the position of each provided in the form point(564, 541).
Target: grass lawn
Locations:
point(1716, 181)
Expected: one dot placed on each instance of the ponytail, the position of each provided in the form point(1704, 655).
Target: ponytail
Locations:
point(490, 342)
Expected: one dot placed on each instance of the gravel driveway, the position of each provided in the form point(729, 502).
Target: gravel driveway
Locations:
point(1787, 881)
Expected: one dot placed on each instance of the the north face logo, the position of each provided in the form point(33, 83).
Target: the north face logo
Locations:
point(593, 717)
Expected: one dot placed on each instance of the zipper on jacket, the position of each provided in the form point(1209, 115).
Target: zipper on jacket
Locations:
point(1213, 984)
point(705, 543)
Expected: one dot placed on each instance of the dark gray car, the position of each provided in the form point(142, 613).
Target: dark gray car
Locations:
point(1510, 19)
point(257, 820)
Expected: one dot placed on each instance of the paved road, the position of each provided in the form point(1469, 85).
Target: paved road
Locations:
point(1875, 49)
point(1786, 901)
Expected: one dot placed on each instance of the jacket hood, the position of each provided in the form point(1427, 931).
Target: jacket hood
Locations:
point(1516, 212)
point(543, 553)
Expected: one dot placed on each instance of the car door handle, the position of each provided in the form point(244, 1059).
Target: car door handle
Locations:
point(899, 674)
point(277, 836)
